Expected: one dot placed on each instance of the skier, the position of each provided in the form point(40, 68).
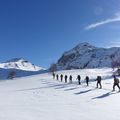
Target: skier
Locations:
point(70, 79)
point(57, 76)
point(99, 81)
point(116, 83)
point(87, 80)
point(53, 75)
point(79, 78)
point(66, 78)
point(61, 76)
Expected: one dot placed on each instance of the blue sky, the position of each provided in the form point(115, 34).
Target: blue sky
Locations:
point(41, 30)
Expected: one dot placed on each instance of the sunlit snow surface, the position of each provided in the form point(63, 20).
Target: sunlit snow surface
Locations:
point(39, 97)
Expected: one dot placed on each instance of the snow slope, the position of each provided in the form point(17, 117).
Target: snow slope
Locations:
point(85, 55)
point(21, 66)
point(39, 97)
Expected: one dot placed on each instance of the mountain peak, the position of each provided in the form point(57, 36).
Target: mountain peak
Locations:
point(21, 64)
point(84, 55)
point(15, 60)
point(84, 45)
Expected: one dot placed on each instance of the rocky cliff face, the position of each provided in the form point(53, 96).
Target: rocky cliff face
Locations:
point(85, 55)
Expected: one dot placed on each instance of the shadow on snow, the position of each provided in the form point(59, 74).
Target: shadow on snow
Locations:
point(104, 95)
point(82, 92)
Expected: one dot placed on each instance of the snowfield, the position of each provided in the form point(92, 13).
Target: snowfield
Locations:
point(39, 97)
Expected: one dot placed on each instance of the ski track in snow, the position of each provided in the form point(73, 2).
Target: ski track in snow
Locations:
point(39, 97)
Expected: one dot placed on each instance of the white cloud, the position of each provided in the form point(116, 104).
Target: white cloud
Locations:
point(97, 24)
point(114, 44)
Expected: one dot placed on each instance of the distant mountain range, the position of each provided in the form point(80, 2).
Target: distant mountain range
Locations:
point(85, 55)
point(21, 66)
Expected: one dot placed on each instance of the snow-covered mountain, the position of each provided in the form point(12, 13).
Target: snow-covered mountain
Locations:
point(85, 55)
point(20, 66)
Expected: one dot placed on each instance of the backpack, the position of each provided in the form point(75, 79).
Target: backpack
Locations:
point(117, 81)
